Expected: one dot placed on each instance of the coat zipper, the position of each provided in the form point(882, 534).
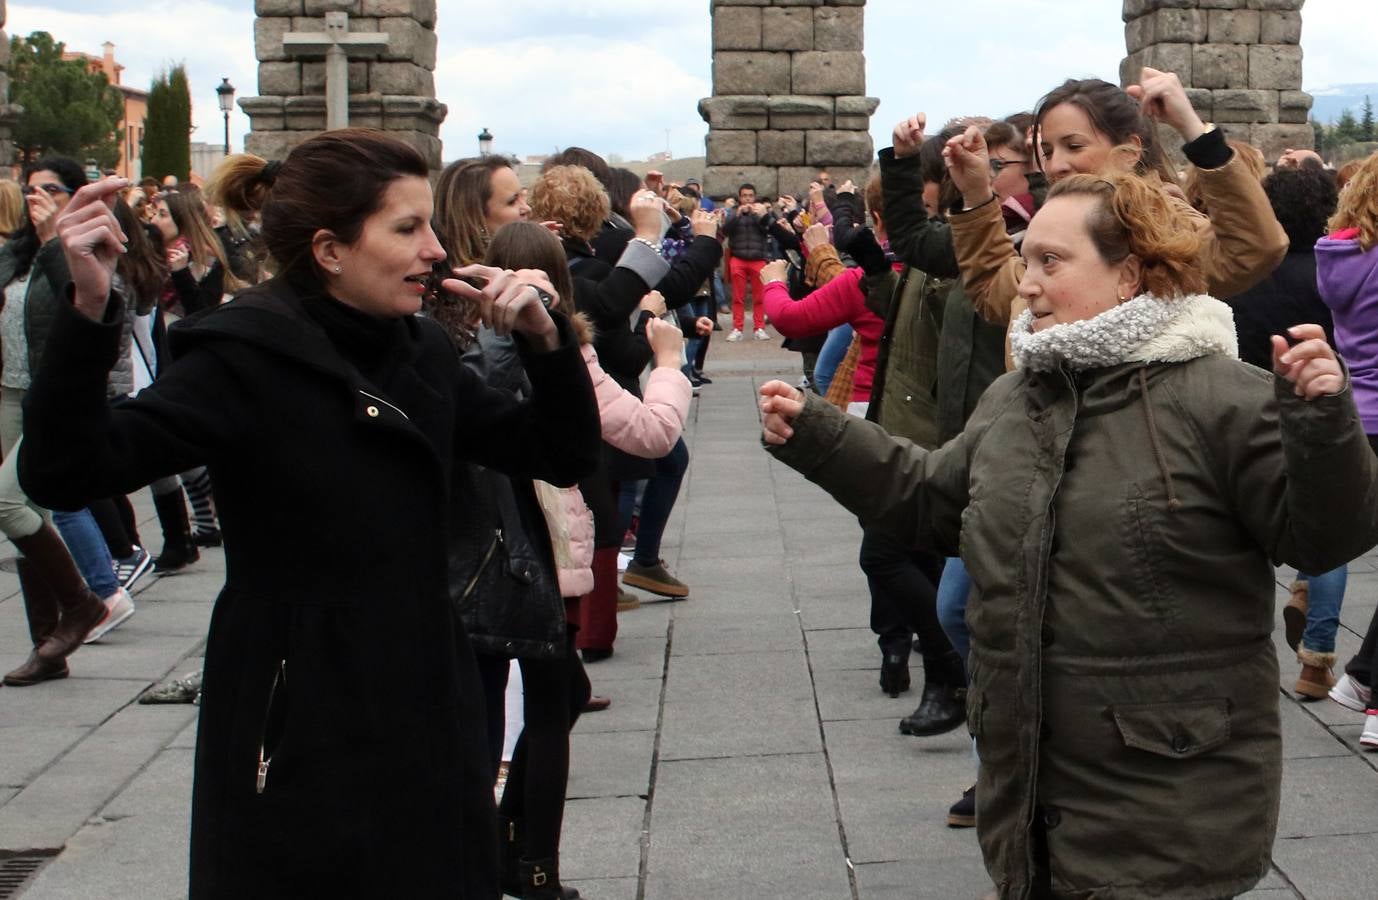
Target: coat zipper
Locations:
point(483, 564)
point(387, 404)
point(265, 758)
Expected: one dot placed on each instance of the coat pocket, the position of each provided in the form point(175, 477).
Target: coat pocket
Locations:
point(1175, 730)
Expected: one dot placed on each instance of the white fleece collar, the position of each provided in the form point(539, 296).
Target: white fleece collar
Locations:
point(1144, 329)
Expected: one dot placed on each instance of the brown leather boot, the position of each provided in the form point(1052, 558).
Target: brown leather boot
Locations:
point(81, 609)
point(1294, 614)
point(1317, 675)
point(43, 613)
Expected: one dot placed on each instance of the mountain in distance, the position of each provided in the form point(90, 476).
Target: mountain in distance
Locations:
point(1335, 99)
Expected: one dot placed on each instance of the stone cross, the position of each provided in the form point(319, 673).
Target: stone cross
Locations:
point(337, 42)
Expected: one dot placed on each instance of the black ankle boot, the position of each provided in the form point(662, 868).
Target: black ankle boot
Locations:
point(539, 879)
point(894, 667)
point(942, 707)
point(178, 550)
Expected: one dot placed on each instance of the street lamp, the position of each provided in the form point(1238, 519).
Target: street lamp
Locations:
point(485, 142)
point(225, 94)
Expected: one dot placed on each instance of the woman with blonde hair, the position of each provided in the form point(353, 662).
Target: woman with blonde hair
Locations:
point(13, 212)
point(1120, 501)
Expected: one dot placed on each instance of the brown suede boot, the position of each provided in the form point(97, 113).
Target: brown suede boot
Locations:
point(40, 606)
point(1294, 614)
point(1317, 675)
point(81, 609)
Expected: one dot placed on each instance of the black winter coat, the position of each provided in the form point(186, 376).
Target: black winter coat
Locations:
point(1285, 298)
point(342, 740)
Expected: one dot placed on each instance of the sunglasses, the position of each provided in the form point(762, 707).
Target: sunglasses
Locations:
point(52, 190)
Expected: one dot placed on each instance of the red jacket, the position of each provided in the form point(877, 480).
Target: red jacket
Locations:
point(840, 301)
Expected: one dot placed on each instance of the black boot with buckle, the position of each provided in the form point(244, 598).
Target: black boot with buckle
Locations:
point(942, 707)
point(539, 879)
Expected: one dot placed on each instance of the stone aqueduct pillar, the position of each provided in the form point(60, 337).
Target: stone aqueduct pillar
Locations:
point(393, 90)
point(789, 95)
point(1239, 59)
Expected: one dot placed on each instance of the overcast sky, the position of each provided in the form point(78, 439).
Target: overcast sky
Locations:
point(625, 76)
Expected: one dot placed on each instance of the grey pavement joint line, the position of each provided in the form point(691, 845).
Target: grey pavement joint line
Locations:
point(1366, 758)
point(643, 868)
point(818, 717)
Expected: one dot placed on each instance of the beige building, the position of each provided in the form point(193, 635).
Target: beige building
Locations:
point(135, 109)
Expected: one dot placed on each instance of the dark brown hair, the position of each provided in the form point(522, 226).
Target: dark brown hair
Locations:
point(1114, 114)
point(528, 245)
point(461, 207)
point(1136, 216)
point(142, 267)
point(333, 181)
point(578, 156)
point(188, 211)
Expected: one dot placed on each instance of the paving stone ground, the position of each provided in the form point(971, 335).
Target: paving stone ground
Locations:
point(748, 752)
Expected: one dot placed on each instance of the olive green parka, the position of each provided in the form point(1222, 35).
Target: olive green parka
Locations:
point(1121, 526)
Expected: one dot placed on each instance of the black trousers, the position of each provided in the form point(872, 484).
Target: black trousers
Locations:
point(904, 594)
point(1365, 663)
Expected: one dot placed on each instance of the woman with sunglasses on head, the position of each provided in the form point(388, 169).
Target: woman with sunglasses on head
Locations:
point(1096, 128)
point(66, 569)
point(321, 390)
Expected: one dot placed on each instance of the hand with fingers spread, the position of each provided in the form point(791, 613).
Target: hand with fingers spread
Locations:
point(1310, 365)
point(93, 242)
point(815, 236)
point(781, 404)
point(968, 162)
point(510, 302)
point(1163, 98)
point(908, 136)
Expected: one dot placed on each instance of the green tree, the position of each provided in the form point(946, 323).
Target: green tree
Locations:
point(167, 127)
point(68, 110)
point(1366, 132)
point(1322, 137)
point(1346, 129)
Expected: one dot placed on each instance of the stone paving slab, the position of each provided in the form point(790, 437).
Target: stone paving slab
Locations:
point(748, 752)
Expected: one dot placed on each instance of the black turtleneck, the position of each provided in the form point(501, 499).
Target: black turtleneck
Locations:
point(374, 345)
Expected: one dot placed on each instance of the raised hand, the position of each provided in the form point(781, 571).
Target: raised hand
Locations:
point(1163, 98)
point(781, 404)
point(1311, 365)
point(510, 302)
point(816, 235)
point(653, 303)
point(908, 136)
point(703, 223)
point(645, 210)
point(968, 161)
point(93, 242)
point(666, 342)
point(775, 270)
point(43, 214)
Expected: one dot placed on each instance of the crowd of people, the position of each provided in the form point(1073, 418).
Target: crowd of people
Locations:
point(1082, 404)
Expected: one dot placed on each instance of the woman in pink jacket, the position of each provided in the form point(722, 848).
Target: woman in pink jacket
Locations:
point(840, 301)
point(537, 778)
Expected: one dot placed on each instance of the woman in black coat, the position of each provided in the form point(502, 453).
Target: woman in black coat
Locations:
point(342, 744)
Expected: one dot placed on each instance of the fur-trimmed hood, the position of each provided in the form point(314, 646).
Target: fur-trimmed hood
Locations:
point(1145, 329)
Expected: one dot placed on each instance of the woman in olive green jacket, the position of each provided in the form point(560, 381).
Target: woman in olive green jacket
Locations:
point(1120, 502)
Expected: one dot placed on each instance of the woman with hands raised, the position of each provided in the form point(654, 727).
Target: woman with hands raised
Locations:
point(1120, 502)
point(1093, 127)
point(320, 390)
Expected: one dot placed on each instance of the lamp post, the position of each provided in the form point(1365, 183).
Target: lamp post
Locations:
point(225, 94)
point(485, 142)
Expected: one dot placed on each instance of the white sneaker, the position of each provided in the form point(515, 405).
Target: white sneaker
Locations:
point(1369, 739)
point(762, 334)
point(735, 336)
point(1351, 694)
point(118, 607)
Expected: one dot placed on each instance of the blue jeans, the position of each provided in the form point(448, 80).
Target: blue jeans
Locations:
point(1323, 600)
point(831, 356)
point(89, 550)
point(702, 306)
point(953, 591)
point(656, 503)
